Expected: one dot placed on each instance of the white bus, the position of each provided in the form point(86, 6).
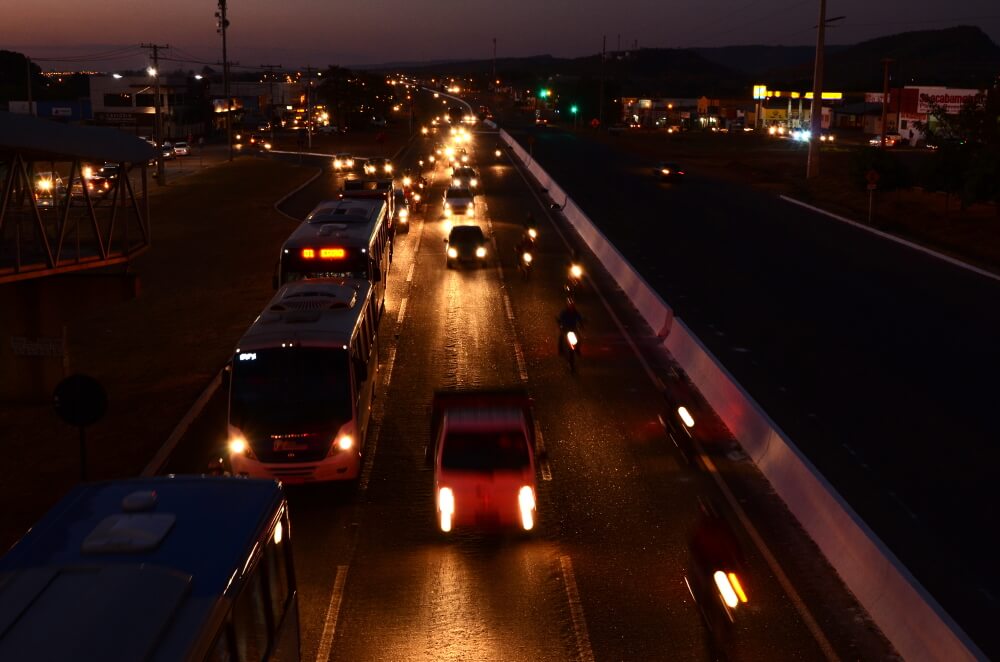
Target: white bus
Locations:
point(302, 383)
point(347, 238)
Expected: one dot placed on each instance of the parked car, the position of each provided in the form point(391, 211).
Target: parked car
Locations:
point(182, 149)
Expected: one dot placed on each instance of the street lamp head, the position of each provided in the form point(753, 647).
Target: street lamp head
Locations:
point(116, 76)
point(151, 71)
point(198, 76)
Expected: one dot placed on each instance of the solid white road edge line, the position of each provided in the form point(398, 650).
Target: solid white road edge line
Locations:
point(772, 562)
point(584, 653)
point(899, 240)
point(332, 612)
point(281, 201)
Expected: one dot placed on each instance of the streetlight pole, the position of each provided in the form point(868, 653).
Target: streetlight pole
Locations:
point(885, 96)
point(31, 105)
point(221, 29)
point(154, 71)
point(816, 119)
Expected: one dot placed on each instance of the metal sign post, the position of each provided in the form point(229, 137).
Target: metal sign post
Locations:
point(80, 400)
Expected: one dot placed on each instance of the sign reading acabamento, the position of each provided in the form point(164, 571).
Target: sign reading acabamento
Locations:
point(40, 347)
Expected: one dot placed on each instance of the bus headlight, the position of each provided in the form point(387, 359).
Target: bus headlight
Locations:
point(345, 442)
point(526, 501)
point(238, 445)
point(452, 253)
point(446, 507)
point(481, 251)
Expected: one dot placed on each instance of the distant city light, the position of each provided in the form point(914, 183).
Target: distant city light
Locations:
point(116, 76)
point(151, 71)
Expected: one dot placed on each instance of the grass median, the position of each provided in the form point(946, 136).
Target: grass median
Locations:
point(206, 277)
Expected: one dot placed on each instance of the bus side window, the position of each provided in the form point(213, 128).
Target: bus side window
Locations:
point(370, 318)
point(369, 335)
point(250, 619)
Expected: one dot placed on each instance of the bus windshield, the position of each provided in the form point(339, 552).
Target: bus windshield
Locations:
point(274, 388)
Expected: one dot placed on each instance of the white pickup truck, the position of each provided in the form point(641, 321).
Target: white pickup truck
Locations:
point(483, 450)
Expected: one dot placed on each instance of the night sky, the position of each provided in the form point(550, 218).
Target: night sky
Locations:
point(299, 32)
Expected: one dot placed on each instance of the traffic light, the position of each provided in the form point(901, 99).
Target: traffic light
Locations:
point(544, 93)
point(574, 109)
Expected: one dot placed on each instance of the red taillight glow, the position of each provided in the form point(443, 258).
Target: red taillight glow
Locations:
point(308, 254)
point(332, 253)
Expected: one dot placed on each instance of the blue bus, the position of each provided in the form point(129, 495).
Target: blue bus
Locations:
point(173, 568)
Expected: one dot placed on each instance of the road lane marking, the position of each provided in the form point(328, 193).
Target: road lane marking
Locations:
point(369, 455)
point(544, 465)
point(583, 651)
point(332, 611)
point(402, 311)
point(772, 562)
point(409, 272)
point(522, 371)
point(388, 366)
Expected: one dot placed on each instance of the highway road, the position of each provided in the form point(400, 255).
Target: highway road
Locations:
point(879, 362)
point(602, 576)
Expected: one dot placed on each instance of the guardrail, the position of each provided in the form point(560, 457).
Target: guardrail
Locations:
point(907, 614)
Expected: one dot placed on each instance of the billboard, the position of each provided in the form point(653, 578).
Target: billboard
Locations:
point(950, 99)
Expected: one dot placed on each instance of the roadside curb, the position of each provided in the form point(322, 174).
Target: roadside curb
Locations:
point(298, 188)
point(896, 239)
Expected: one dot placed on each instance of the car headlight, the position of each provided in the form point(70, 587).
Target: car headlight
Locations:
point(452, 252)
point(481, 251)
point(446, 507)
point(407, 182)
point(526, 502)
point(470, 210)
point(349, 163)
point(337, 163)
point(473, 182)
point(404, 214)
point(388, 167)
point(455, 182)
point(665, 171)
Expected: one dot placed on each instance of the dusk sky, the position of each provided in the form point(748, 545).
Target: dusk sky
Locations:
point(299, 32)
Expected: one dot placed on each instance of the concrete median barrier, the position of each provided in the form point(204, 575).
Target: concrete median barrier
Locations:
point(905, 612)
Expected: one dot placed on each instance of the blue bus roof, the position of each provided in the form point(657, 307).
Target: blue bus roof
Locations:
point(176, 579)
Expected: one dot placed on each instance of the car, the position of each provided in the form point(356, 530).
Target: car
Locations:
point(360, 164)
point(327, 129)
point(483, 453)
point(343, 161)
point(168, 151)
point(182, 149)
point(465, 177)
point(891, 140)
point(401, 211)
point(49, 187)
point(466, 244)
point(379, 167)
point(668, 171)
point(459, 201)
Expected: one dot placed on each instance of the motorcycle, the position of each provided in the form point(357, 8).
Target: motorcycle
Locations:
point(525, 262)
point(720, 596)
point(574, 279)
point(569, 347)
point(498, 153)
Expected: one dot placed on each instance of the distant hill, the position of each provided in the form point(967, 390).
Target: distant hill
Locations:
point(962, 56)
point(757, 60)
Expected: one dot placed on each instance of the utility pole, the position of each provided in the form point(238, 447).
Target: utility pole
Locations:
point(309, 112)
point(221, 26)
point(493, 80)
point(885, 95)
point(600, 101)
point(31, 106)
point(271, 68)
point(161, 175)
point(816, 119)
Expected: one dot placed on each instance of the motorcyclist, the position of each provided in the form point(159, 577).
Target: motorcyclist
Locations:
point(530, 227)
point(568, 319)
point(713, 546)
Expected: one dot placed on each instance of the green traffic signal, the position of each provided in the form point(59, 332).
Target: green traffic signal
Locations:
point(573, 109)
point(543, 93)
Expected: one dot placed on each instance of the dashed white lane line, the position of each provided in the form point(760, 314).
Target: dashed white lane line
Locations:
point(409, 272)
point(402, 311)
point(544, 465)
point(583, 651)
point(388, 366)
point(332, 612)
